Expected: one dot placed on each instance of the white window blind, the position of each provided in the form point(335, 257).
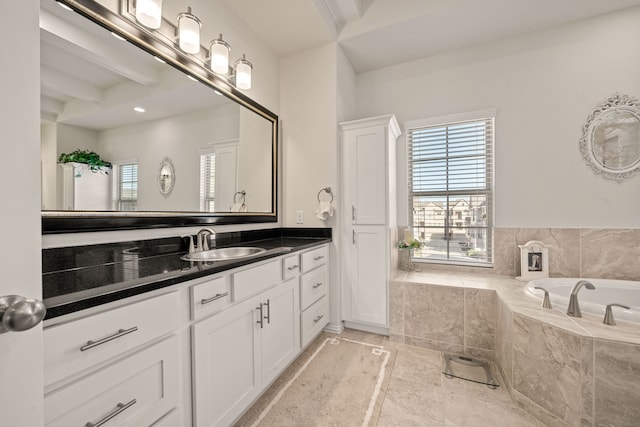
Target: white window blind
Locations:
point(451, 191)
point(207, 182)
point(126, 185)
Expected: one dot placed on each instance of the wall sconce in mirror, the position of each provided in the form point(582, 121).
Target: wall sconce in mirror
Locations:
point(185, 34)
point(166, 177)
point(610, 140)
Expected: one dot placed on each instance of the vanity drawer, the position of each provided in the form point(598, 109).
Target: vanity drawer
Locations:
point(314, 319)
point(313, 286)
point(72, 347)
point(141, 388)
point(255, 280)
point(210, 297)
point(314, 258)
point(290, 267)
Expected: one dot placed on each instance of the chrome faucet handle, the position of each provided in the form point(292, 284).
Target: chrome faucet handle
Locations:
point(608, 314)
point(546, 302)
point(192, 248)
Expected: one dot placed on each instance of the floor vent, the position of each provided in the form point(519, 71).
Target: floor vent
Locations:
point(468, 369)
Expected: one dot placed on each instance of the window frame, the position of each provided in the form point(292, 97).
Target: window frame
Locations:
point(488, 192)
point(117, 184)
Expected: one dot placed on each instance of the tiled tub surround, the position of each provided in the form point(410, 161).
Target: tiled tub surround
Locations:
point(81, 277)
point(574, 252)
point(565, 371)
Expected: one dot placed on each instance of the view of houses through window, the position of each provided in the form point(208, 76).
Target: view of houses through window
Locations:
point(450, 191)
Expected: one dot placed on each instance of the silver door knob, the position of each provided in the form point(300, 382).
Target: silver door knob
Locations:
point(19, 313)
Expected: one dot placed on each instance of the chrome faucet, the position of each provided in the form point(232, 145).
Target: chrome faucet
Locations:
point(203, 241)
point(574, 308)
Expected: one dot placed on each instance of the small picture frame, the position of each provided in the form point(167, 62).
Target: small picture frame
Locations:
point(534, 260)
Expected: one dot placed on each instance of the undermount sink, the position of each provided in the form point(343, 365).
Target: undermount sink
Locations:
point(224, 254)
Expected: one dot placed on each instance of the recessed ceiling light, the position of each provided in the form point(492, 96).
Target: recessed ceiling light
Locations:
point(139, 109)
point(192, 78)
point(217, 93)
point(159, 59)
point(118, 36)
point(64, 6)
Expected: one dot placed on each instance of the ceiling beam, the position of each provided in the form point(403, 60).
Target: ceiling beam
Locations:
point(65, 84)
point(110, 54)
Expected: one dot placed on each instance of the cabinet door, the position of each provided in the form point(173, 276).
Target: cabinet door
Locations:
point(365, 173)
point(369, 275)
point(226, 364)
point(281, 328)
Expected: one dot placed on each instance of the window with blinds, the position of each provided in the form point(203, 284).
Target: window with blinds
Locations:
point(451, 191)
point(126, 185)
point(207, 182)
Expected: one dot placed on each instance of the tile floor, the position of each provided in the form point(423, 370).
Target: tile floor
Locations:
point(415, 393)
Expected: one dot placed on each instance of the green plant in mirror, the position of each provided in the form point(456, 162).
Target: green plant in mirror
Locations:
point(90, 158)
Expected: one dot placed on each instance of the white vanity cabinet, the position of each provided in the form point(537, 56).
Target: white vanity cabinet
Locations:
point(239, 351)
point(368, 220)
point(314, 287)
point(120, 365)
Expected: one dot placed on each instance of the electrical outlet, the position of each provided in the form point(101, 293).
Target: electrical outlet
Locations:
point(299, 217)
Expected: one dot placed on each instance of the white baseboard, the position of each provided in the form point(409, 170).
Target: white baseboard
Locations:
point(382, 330)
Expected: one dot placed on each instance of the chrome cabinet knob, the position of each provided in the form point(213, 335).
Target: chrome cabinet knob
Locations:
point(19, 313)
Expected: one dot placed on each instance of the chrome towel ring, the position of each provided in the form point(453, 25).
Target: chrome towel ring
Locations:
point(326, 190)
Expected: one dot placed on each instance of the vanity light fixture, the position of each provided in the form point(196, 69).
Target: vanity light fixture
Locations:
point(219, 56)
point(243, 73)
point(149, 13)
point(189, 32)
point(185, 36)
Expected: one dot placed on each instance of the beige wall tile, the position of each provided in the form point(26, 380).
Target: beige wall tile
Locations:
point(396, 307)
point(480, 318)
point(564, 253)
point(546, 368)
point(504, 342)
point(611, 254)
point(434, 312)
point(617, 384)
point(587, 380)
point(505, 255)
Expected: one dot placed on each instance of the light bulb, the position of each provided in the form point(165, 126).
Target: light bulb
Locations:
point(219, 50)
point(189, 32)
point(243, 73)
point(149, 13)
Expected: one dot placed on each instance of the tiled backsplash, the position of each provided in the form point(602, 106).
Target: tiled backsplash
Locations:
point(574, 252)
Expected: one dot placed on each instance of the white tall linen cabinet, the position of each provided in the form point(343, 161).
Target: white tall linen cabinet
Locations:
point(368, 220)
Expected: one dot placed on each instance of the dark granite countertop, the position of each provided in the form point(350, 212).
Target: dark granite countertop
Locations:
point(81, 277)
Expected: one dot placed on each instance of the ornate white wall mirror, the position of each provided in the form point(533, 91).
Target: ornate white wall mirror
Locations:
point(166, 177)
point(610, 141)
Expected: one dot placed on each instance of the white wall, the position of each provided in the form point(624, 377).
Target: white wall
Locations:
point(178, 138)
point(544, 86)
point(308, 88)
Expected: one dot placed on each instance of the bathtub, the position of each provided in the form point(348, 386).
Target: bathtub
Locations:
point(592, 301)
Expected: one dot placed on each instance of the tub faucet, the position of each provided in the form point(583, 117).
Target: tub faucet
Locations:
point(203, 241)
point(574, 308)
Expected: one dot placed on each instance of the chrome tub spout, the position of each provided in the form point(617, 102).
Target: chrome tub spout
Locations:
point(574, 308)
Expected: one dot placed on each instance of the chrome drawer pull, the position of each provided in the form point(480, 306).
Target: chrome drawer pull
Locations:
point(318, 258)
point(213, 298)
point(317, 285)
point(293, 267)
point(319, 318)
point(260, 321)
point(120, 407)
point(268, 316)
point(121, 332)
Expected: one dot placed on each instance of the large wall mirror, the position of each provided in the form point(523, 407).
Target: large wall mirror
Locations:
point(113, 100)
